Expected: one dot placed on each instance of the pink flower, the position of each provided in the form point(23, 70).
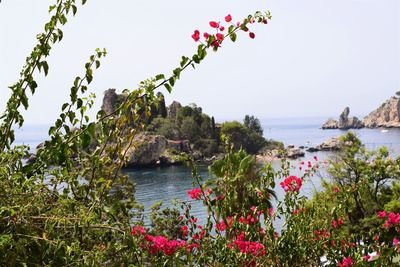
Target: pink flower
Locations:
point(184, 230)
point(334, 224)
point(270, 211)
point(382, 214)
point(228, 18)
point(137, 229)
point(222, 28)
point(336, 189)
point(214, 24)
point(347, 262)
point(221, 226)
point(206, 35)
point(366, 257)
point(195, 193)
point(395, 241)
point(291, 183)
point(219, 36)
point(196, 35)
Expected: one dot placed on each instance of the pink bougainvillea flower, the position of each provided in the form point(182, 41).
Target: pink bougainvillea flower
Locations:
point(336, 189)
point(347, 262)
point(265, 21)
point(185, 230)
point(366, 257)
point(219, 37)
point(228, 18)
point(137, 229)
point(221, 226)
point(206, 35)
point(196, 35)
point(381, 214)
point(395, 241)
point(214, 24)
point(216, 43)
point(195, 193)
point(222, 28)
point(291, 184)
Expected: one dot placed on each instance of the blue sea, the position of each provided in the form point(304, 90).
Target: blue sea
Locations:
point(169, 183)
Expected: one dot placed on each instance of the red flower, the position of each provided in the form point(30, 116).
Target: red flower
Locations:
point(291, 183)
point(221, 226)
point(222, 28)
point(196, 35)
point(214, 24)
point(184, 230)
point(228, 18)
point(347, 262)
point(382, 214)
point(195, 193)
point(137, 229)
point(220, 37)
point(206, 35)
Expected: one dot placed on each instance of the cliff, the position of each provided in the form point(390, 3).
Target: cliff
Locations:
point(387, 115)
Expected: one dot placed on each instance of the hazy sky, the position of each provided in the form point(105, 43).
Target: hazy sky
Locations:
point(314, 58)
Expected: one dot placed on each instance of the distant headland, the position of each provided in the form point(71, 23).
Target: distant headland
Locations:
point(385, 116)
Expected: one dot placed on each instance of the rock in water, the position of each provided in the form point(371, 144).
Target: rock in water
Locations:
point(344, 122)
point(387, 115)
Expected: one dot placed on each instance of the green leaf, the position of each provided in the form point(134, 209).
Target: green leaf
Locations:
point(184, 61)
point(45, 67)
point(168, 87)
point(172, 81)
point(160, 77)
point(233, 37)
point(74, 9)
point(196, 59)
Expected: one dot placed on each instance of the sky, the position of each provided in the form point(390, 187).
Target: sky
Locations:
point(314, 58)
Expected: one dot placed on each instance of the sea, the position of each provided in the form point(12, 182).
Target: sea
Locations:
point(170, 184)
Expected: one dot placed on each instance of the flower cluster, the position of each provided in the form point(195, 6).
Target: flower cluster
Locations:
point(392, 218)
point(291, 184)
point(216, 39)
point(195, 193)
point(247, 247)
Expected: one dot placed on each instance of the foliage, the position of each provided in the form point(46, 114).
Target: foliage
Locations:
point(247, 136)
point(73, 206)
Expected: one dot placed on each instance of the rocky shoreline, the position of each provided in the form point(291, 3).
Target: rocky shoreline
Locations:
point(386, 116)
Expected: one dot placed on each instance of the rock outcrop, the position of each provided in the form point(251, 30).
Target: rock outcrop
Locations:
point(111, 100)
point(344, 122)
point(332, 144)
point(156, 150)
point(387, 115)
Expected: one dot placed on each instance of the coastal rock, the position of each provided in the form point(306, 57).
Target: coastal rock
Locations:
point(332, 144)
point(147, 150)
point(387, 115)
point(344, 122)
point(294, 153)
point(155, 150)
